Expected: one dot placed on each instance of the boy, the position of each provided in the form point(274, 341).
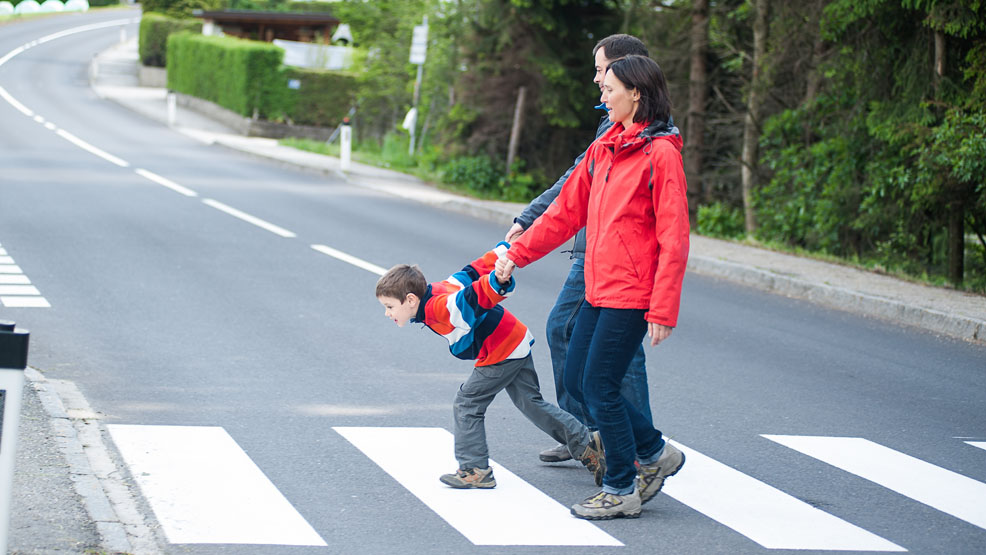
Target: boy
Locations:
point(465, 310)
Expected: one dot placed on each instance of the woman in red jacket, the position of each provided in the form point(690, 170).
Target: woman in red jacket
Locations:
point(629, 194)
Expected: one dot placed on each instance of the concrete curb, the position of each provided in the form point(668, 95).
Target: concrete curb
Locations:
point(97, 480)
point(969, 329)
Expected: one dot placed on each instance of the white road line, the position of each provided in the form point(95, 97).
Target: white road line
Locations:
point(6, 259)
point(204, 489)
point(513, 513)
point(14, 279)
point(24, 302)
point(13, 102)
point(10, 269)
point(979, 444)
point(19, 290)
point(348, 258)
point(166, 182)
point(94, 150)
point(947, 491)
point(763, 513)
point(248, 218)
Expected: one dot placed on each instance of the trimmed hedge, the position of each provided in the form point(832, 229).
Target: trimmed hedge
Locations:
point(241, 75)
point(323, 98)
point(155, 28)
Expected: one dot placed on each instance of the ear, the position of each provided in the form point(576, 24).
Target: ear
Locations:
point(636, 95)
point(412, 299)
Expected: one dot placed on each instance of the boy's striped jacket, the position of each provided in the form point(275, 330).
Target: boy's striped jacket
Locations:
point(464, 310)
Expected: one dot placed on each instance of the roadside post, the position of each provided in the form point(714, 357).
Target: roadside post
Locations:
point(345, 144)
point(13, 361)
point(419, 49)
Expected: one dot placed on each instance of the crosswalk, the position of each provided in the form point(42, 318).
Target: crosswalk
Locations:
point(194, 479)
point(16, 290)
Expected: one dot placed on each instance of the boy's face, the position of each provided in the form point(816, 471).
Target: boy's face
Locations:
point(400, 312)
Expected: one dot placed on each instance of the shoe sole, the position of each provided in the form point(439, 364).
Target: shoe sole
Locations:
point(554, 458)
point(480, 485)
point(642, 500)
point(606, 517)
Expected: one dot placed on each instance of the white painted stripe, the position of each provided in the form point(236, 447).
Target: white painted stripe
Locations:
point(348, 258)
point(6, 260)
point(94, 150)
point(19, 290)
point(979, 444)
point(248, 218)
point(14, 279)
point(513, 513)
point(39, 119)
point(166, 182)
point(763, 513)
point(24, 302)
point(13, 102)
point(204, 489)
point(947, 491)
point(3, 251)
point(10, 269)
point(50, 126)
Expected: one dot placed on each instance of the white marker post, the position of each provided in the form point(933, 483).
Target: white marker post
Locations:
point(345, 144)
point(172, 109)
point(13, 361)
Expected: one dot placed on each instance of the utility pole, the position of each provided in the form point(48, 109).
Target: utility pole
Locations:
point(419, 49)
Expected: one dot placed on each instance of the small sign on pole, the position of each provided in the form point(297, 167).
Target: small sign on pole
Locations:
point(419, 43)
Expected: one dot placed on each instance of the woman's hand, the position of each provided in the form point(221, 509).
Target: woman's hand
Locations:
point(513, 233)
point(504, 267)
point(656, 332)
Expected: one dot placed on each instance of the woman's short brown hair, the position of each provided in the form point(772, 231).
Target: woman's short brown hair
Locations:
point(643, 74)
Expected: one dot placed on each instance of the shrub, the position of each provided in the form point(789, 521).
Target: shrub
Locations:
point(154, 31)
point(241, 75)
point(477, 173)
point(721, 220)
point(323, 97)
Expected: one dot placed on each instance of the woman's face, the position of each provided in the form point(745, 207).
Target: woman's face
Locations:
point(620, 101)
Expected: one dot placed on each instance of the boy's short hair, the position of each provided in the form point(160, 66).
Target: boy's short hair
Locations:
point(401, 280)
point(619, 46)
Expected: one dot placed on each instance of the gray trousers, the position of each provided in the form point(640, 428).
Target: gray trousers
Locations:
point(520, 380)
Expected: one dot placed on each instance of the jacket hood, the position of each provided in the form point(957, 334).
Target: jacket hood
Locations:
point(643, 133)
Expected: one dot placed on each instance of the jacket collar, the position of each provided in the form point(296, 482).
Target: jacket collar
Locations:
point(639, 134)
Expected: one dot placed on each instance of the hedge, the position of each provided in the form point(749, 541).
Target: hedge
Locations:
point(241, 75)
point(154, 31)
point(323, 97)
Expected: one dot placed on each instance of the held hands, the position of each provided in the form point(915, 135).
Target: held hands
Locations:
point(656, 332)
point(504, 267)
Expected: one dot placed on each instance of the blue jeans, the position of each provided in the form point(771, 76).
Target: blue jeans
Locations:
point(561, 321)
point(603, 344)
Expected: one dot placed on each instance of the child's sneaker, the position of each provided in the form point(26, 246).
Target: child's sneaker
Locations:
point(650, 477)
point(470, 478)
point(604, 506)
point(594, 457)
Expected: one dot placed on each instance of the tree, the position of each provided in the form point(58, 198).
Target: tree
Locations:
point(698, 94)
point(751, 123)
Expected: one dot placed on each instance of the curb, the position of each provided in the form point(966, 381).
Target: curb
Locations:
point(969, 329)
point(97, 480)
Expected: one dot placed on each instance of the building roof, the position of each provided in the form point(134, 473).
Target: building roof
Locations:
point(282, 18)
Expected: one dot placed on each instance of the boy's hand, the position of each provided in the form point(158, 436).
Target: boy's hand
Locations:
point(504, 267)
point(513, 233)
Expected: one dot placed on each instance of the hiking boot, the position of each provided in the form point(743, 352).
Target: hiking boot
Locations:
point(650, 477)
point(558, 453)
point(470, 478)
point(594, 457)
point(604, 506)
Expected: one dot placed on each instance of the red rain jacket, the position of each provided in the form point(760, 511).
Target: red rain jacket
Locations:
point(629, 194)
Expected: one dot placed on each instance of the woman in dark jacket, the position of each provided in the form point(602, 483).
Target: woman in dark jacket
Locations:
point(629, 194)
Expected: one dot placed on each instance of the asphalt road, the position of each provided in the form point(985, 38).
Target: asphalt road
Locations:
point(168, 311)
